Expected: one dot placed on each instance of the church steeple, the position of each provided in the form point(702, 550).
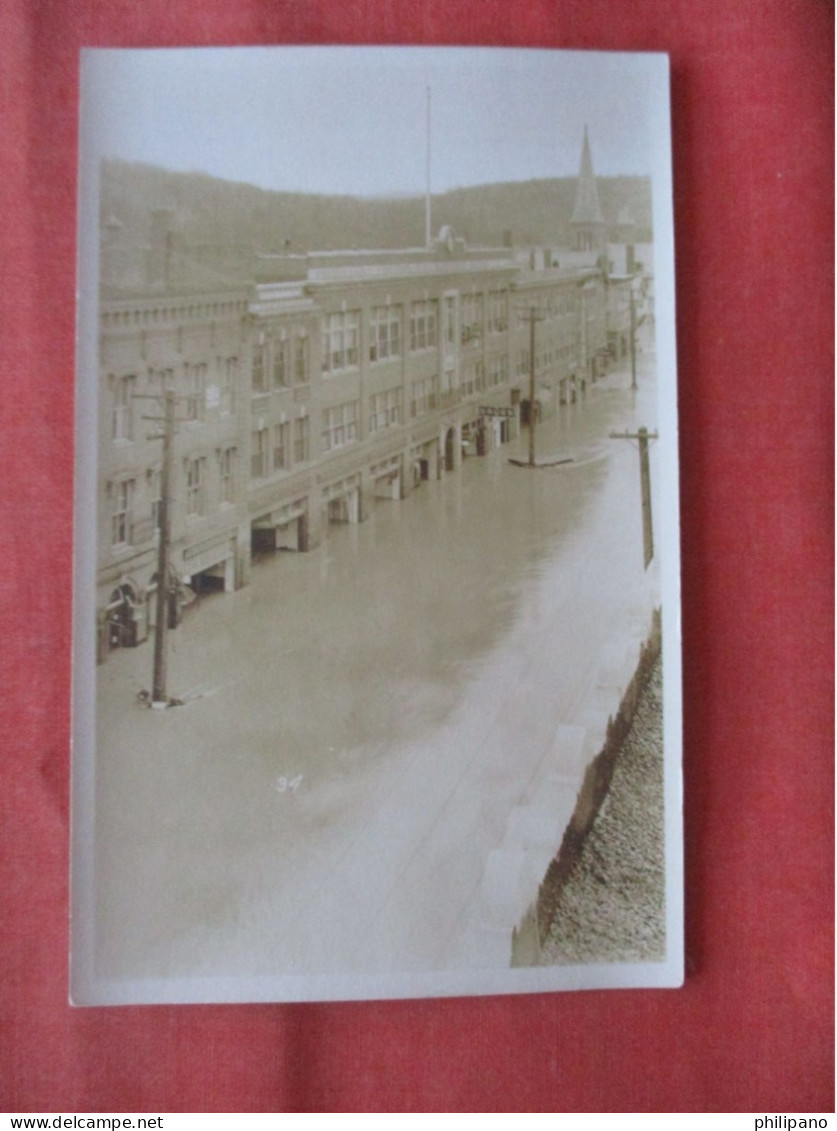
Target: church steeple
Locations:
point(587, 219)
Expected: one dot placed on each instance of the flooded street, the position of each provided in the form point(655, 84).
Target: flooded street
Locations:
point(361, 720)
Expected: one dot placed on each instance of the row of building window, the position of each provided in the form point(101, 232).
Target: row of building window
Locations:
point(549, 363)
point(280, 363)
point(385, 408)
point(279, 448)
point(341, 330)
point(384, 333)
point(341, 341)
point(283, 362)
point(288, 443)
point(127, 528)
point(340, 426)
point(122, 508)
point(555, 305)
point(423, 325)
point(425, 396)
point(340, 423)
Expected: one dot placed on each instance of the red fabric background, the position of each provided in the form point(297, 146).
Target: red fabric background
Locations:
point(752, 1029)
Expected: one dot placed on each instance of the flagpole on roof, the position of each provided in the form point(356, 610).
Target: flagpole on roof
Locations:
point(427, 228)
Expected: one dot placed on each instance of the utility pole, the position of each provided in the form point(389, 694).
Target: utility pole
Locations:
point(533, 316)
point(158, 687)
point(159, 698)
point(642, 436)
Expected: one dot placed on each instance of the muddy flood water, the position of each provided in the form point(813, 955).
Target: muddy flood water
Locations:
point(360, 719)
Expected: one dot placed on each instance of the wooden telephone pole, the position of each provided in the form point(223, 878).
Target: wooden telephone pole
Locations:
point(159, 697)
point(642, 436)
point(533, 316)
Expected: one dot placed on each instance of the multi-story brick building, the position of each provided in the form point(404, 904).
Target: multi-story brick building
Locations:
point(195, 343)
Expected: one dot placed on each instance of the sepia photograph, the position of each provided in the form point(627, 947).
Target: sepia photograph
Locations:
point(377, 676)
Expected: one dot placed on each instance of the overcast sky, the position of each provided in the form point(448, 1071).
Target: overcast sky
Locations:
point(353, 120)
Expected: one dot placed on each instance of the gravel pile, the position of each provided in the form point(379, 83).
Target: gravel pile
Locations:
point(611, 907)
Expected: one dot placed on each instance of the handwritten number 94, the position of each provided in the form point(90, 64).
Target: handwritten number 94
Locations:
point(284, 784)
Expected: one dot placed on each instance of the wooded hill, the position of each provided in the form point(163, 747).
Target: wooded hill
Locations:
point(216, 213)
